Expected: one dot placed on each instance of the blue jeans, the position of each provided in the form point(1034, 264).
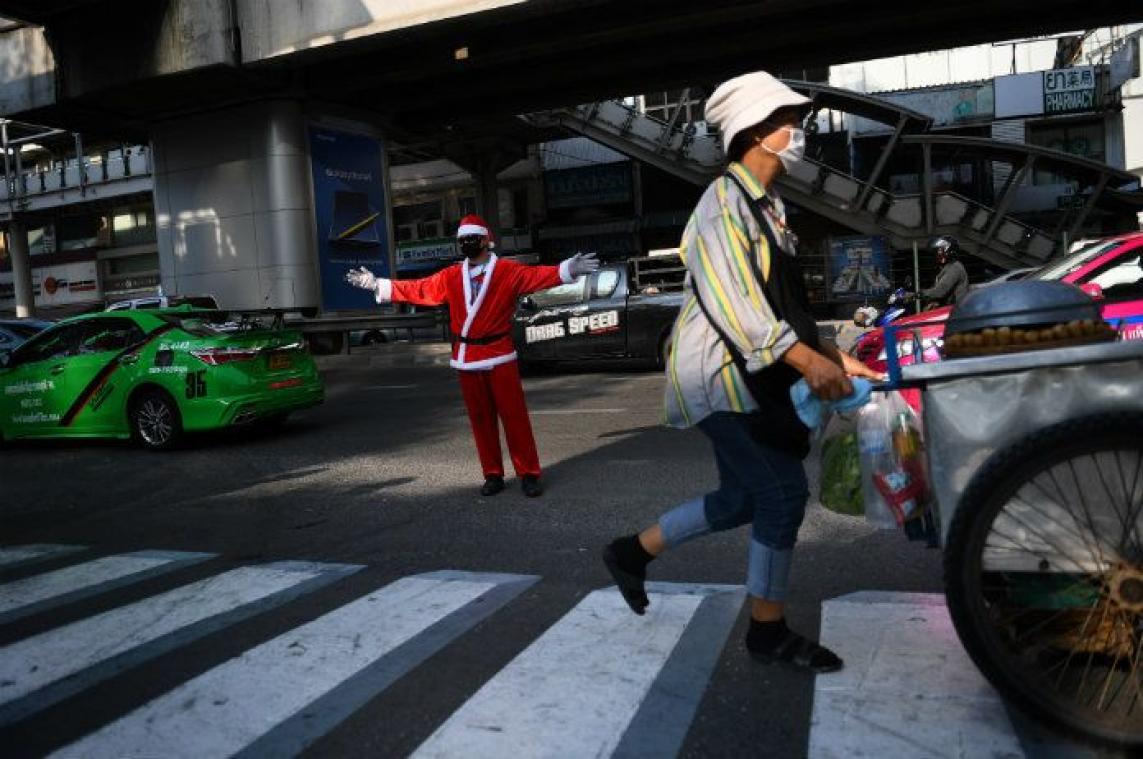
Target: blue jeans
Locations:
point(757, 485)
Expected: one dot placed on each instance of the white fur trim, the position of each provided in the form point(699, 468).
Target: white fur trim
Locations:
point(472, 229)
point(488, 363)
point(383, 291)
point(565, 272)
point(472, 307)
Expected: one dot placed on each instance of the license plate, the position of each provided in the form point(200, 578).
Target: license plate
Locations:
point(280, 361)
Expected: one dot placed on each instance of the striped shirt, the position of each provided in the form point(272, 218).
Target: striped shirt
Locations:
point(721, 238)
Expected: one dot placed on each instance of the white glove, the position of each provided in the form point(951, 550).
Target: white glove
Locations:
point(366, 280)
point(582, 264)
point(362, 278)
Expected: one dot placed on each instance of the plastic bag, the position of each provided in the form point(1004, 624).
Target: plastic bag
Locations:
point(841, 475)
point(894, 480)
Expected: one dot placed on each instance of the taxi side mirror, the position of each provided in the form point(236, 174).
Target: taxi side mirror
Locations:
point(1092, 289)
point(5, 358)
point(527, 303)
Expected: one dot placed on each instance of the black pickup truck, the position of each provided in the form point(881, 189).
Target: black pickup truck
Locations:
point(623, 311)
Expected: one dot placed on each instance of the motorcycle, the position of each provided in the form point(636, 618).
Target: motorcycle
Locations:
point(896, 306)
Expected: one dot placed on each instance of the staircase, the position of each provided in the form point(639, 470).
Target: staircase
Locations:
point(697, 157)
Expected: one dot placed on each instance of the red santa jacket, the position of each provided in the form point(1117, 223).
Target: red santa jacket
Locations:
point(481, 321)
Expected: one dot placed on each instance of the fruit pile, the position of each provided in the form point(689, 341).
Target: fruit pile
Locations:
point(993, 340)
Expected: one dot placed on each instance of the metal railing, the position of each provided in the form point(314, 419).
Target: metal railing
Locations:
point(22, 184)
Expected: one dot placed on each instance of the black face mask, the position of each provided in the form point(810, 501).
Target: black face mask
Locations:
point(472, 246)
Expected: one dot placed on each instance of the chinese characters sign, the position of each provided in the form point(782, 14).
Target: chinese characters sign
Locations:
point(1069, 90)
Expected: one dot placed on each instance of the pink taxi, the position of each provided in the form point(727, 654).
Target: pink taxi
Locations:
point(1110, 270)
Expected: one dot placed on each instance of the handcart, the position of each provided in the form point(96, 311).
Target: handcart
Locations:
point(1035, 460)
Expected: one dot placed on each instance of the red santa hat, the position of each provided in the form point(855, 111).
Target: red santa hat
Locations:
point(474, 225)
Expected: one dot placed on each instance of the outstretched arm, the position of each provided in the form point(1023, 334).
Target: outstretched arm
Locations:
point(427, 291)
point(530, 279)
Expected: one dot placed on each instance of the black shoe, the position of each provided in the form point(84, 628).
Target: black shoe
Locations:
point(531, 486)
point(493, 484)
point(784, 646)
point(629, 580)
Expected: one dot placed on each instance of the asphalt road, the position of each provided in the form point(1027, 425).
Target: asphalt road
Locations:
point(384, 475)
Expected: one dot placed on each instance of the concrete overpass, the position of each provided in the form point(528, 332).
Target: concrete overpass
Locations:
point(230, 92)
point(425, 64)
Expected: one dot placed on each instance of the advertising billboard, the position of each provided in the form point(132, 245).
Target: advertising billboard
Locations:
point(350, 211)
point(858, 267)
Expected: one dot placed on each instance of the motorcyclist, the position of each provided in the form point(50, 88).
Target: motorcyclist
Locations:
point(951, 284)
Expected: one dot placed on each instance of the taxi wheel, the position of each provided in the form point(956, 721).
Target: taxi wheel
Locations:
point(155, 421)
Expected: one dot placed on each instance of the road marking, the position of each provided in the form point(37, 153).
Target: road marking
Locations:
point(576, 411)
point(44, 591)
point(601, 681)
point(277, 698)
point(908, 688)
point(14, 556)
point(46, 668)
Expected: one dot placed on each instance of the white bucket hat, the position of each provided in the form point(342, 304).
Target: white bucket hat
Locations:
point(746, 100)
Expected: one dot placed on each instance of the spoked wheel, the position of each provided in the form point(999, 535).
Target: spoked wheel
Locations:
point(1044, 576)
point(155, 421)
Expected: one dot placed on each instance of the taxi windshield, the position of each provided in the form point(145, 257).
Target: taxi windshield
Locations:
point(1057, 270)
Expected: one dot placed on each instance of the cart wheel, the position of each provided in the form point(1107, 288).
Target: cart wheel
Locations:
point(1044, 576)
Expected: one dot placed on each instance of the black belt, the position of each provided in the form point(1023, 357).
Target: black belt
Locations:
point(482, 340)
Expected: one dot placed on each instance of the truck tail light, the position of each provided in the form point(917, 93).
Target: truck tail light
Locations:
point(220, 356)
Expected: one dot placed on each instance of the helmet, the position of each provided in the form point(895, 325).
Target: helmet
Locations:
point(945, 247)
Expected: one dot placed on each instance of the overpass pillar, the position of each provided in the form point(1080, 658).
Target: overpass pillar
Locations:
point(21, 269)
point(235, 208)
point(488, 190)
point(485, 161)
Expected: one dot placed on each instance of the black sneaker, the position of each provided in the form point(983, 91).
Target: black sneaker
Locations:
point(493, 484)
point(531, 486)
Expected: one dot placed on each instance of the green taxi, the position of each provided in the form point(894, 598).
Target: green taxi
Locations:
point(155, 375)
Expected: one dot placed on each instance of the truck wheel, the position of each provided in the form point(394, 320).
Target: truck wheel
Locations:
point(326, 343)
point(155, 421)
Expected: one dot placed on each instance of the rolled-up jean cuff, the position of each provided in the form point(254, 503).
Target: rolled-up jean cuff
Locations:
point(769, 572)
point(684, 522)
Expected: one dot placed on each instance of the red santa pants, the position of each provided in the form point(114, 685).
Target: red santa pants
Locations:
point(498, 393)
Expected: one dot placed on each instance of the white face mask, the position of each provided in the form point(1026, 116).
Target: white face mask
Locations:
point(795, 149)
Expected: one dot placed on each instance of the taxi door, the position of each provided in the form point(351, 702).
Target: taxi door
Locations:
point(33, 393)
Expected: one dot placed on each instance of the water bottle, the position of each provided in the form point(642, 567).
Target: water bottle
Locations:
point(876, 458)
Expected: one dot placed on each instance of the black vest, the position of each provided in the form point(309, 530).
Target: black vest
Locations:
point(777, 424)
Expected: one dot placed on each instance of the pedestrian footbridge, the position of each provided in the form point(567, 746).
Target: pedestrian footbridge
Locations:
point(865, 205)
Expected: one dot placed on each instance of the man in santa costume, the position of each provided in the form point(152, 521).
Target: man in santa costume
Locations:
point(481, 293)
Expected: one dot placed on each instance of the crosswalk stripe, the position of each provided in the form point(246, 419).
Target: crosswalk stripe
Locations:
point(14, 556)
point(596, 674)
point(289, 691)
point(908, 688)
point(44, 591)
point(44, 669)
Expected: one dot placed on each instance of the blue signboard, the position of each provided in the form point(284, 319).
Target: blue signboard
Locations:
point(858, 267)
point(350, 213)
point(426, 255)
point(604, 184)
